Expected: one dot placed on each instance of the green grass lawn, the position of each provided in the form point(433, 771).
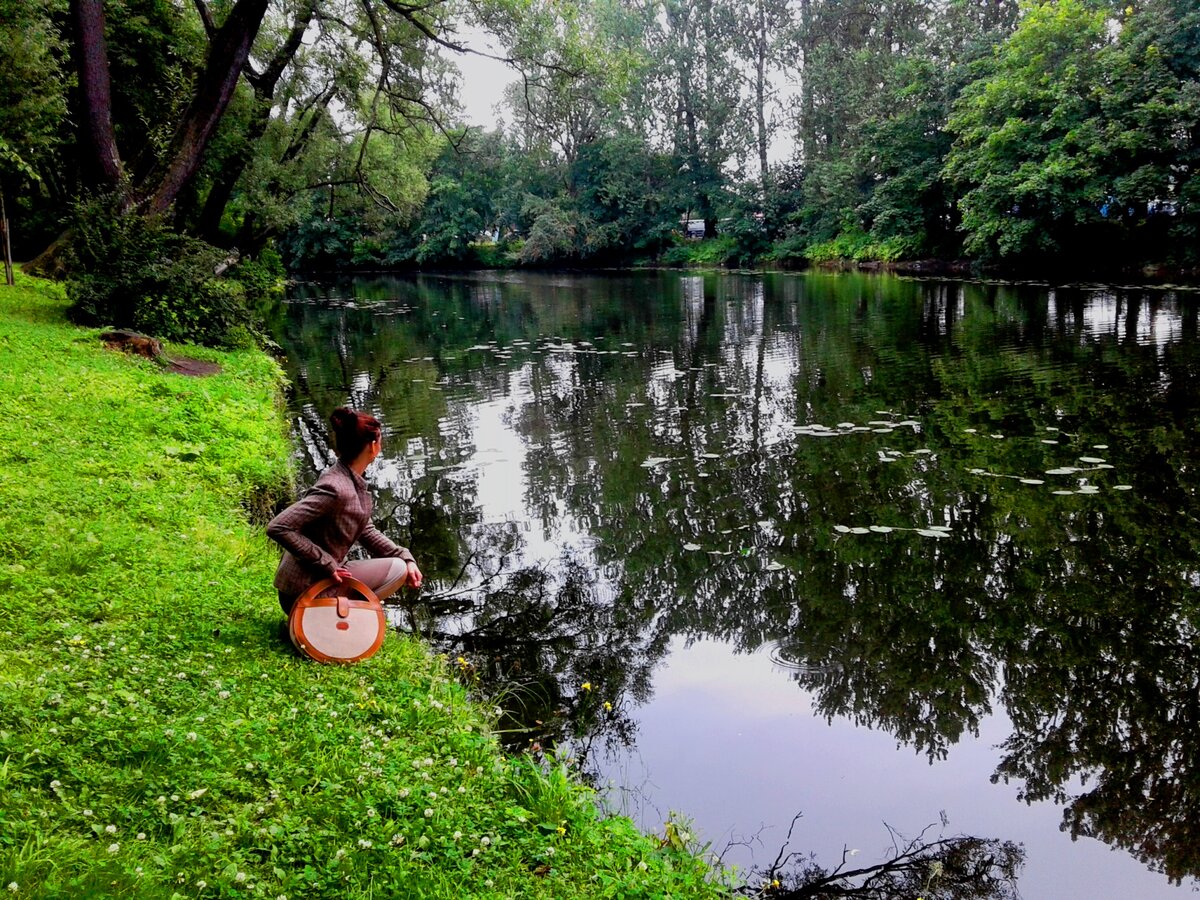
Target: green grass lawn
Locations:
point(156, 737)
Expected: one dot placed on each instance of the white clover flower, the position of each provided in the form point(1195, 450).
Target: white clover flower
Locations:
point(489, 883)
point(202, 884)
point(429, 813)
point(397, 840)
point(433, 795)
point(224, 695)
point(341, 852)
point(371, 812)
point(458, 835)
point(428, 761)
point(141, 835)
point(55, 784)
point(404, 792)
point(174, 798)
point(475, 852)
point(364, 844)
point(485, 841)
point(87, 812)
point(170, 732)
point(550, 852)
point(110, 829)
point(113, 848)
point(191, 735)
point(240, 876)
point(454, 762)
point(641, 865)
point(462, 790)
point(13, 886)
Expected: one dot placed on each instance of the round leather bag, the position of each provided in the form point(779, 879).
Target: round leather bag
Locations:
point(339, 629)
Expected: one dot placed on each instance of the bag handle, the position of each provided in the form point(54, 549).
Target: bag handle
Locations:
point(347, 582)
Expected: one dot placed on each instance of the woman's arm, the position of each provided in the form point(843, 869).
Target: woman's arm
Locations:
point(285, 528)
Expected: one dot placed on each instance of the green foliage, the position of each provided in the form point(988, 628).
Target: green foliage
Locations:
point(715, 252)
point(159, 740)
point(129, 271)
point(858, 246)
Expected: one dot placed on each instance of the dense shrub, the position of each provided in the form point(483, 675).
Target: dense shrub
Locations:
point(129, 271)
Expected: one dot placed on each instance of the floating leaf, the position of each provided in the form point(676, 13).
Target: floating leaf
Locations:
point(774, 567)
point(883, 430)
point(691, 547)
point(1064, 470)
point(970, 430)
point(845, 424)
point(843, 529)
point(860, 530)
point(1122, 487)
point(1032, 481)
point(1048, 441)
point(1064, 493)
point(1090, 459)
point(931, 532)
point(1089, 489)
point(881, 529)
point(1099, 446)
point(655, 460)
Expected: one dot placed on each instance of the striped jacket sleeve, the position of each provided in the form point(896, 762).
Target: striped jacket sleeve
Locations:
point(286, 528)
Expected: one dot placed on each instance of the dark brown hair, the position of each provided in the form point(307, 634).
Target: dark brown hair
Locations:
point(352, 431)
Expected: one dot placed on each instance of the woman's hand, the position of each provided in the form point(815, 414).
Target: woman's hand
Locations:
point(340, 574)
point(415, 578)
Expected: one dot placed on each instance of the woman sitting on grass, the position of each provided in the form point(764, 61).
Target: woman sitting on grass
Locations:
point(317, 531)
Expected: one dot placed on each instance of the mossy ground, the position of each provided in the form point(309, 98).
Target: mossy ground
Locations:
point(156, 737)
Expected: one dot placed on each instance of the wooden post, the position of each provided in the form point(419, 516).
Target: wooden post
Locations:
point(8, 266)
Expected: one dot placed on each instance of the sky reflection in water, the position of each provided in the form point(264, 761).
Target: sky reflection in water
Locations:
point(852, 476)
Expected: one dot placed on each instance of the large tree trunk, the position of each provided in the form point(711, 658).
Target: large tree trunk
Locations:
point(227, 55)
point(264, 86)
point(91, 58)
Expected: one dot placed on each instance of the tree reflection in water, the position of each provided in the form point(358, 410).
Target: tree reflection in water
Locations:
point(670, 422)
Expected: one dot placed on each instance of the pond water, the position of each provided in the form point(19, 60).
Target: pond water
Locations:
point(869, 549)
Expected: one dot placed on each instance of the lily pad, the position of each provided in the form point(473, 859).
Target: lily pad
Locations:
point(1090, 459)
point(774, 567)
point(691, 547)
point(1122, 487)
point(882, 529)
point(842, 529)
point(1064, 493)
point(1063, 470)
point(860, 530)
point(1032, 481)
point(654, 461)
point(931, 532)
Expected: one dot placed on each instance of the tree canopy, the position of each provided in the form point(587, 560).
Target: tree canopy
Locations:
point(1049, 133)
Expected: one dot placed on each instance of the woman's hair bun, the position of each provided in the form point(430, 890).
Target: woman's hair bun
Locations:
point(352, 431)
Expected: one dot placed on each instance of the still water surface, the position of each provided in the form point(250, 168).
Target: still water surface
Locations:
point(865, 548)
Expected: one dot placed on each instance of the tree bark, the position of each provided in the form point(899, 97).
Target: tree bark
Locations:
point(91, 59)
point(8, 266)
point(264, 94)
point(760, 99)
point(227, 55)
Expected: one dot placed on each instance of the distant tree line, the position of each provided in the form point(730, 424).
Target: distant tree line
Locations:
point(1027, 134)
point(1054, 135)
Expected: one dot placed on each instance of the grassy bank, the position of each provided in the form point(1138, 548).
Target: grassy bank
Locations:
point(156, 739)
